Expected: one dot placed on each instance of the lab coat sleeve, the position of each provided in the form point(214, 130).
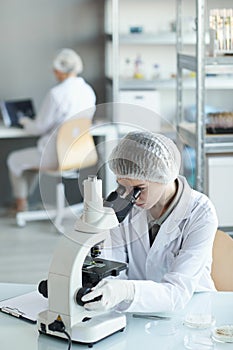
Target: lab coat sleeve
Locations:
point(46, 118)
point(187, 268)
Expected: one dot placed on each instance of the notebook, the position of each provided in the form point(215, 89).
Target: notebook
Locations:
point(11, 111)
point(25, 307)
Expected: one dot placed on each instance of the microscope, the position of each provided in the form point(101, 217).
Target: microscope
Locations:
point(76, 268)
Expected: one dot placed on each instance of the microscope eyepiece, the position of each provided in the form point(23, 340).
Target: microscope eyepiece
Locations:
point(122, 203)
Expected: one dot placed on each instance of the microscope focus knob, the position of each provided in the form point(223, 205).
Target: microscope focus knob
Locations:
point(83, 291)
point(43, 288)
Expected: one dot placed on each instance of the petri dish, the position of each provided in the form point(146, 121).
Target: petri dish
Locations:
point(223, 334)
point(199, 341)
point(165, 328)
point(199, 321)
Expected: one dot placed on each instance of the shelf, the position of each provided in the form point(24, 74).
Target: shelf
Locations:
point(143, 84)
point(218, 143)
point(211, 83)
point(161, 38)
point(217, 83)
point(217, 65)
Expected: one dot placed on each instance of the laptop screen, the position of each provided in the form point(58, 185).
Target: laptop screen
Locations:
point(12, 110)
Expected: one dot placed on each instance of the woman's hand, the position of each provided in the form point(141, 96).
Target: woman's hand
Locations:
point(111, 293)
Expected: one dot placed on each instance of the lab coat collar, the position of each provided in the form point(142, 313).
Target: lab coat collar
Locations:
point(139, 223)
point(170, 229)
point(183, 208)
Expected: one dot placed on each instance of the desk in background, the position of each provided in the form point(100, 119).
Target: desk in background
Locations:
point(11, 139)
point(139, 333)
point(15, 138)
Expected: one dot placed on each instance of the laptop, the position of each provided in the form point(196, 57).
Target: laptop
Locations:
point(11, 111)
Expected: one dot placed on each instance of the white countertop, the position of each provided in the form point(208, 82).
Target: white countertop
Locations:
point(139, 333)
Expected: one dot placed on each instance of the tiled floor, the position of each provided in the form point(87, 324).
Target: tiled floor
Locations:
point(26, 253)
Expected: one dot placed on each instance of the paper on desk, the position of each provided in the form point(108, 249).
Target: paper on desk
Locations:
point(26, 306)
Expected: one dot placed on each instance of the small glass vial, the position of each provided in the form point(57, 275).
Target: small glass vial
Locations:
point(156, 71)
point(128, 69)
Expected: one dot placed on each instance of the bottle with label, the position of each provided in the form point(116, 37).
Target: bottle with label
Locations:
point(138, 68)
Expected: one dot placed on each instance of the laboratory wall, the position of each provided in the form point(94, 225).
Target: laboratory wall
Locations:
point(32, 31)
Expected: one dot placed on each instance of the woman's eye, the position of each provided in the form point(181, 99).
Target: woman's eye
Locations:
point(142, 189)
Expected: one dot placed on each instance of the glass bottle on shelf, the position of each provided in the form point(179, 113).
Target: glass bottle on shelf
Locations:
point(156, 71)
point(128, 69)
point(138, 68)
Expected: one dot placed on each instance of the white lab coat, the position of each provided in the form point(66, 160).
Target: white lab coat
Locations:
point(63, 101)
point(179, 261)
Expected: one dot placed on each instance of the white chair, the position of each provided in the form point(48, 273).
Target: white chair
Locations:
point(222, 266)
point(75, 151)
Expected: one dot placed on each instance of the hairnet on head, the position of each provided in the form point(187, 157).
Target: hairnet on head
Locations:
point(146, 156)
point(68, 61)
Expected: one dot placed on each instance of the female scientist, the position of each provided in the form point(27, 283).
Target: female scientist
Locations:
point(166, 239)
point(71, 96)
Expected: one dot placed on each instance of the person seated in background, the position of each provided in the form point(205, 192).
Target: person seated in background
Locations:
point(166, 239)
point(70, 96)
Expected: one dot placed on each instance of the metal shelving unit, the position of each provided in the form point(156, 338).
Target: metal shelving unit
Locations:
point(116, 39)
point(194, 135)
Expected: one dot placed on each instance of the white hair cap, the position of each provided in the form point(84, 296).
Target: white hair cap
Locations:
point(146, 156)
point(68, 61)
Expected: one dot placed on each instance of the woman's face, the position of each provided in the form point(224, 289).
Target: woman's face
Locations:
point(151, 192)
point(60, 76)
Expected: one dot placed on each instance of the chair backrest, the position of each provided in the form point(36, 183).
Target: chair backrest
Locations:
point(75, 145)
point(222, 265)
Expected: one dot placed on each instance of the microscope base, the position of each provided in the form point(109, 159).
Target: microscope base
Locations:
point(93, 330)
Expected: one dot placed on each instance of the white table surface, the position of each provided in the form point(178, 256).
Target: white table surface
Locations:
point(139, 333)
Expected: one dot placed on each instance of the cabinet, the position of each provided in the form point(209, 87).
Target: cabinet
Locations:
point(208, 147)
point(220, 175)
point(145, 30)
point(150, 99)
